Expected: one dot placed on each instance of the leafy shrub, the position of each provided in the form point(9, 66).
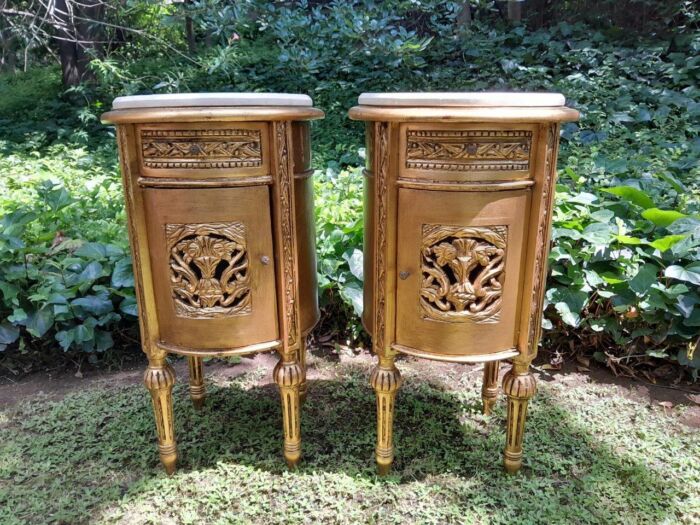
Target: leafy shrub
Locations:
point(624, 274)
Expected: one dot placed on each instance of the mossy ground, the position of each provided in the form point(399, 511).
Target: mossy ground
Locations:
point(592, 455)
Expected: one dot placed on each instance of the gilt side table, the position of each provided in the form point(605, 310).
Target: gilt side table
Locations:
point(219, 200)
point(458, 202)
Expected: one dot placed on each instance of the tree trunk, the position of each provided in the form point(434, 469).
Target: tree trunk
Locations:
point(67, 49)
point(514, 10)
point(464, 17)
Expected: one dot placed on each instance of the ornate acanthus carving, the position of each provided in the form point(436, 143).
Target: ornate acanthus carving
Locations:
point(209, 272)
point(462, 272)
point(542, 242)
point(201, 148)
point(286, 198)
point(381, 144)
point(468, 150)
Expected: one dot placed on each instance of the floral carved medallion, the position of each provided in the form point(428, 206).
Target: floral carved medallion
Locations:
point(468, 150)
point(462, 272)
point(200, 148)
point(209, 269)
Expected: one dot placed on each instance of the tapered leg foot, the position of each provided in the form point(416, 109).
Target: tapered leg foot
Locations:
point(385, 381)
point(302, 362)
point(288, 375)
point(489, 390)
point(159, 379)
point(519, 385)
point(198, 392)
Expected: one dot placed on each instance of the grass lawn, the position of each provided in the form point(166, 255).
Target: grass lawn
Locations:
point(593, 455)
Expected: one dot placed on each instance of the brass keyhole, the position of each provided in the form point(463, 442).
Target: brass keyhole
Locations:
point(404, 275)
point(265, 259)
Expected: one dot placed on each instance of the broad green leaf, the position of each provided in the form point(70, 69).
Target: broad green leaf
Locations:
point(94, 304)
point(91, 272)
point(353, 293)
point(103, 340)
point(664, 243)
point(626, 239)
point(8, 333)
point(122, 275)
point(92, 250)
point(663, 218)
point(39, 322)
point(355, 261)
point(646, 276)
point(683, 274)
point(632, 194)
point(129, 306)
point(597, 233)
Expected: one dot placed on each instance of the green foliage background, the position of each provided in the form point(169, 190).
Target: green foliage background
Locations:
point(625, 261)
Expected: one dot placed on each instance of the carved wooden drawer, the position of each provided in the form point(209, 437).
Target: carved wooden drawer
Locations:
point(211, 150)
point(466, 152)
point(458, 266)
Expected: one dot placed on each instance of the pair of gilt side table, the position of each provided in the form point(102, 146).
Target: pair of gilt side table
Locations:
point(220, 210)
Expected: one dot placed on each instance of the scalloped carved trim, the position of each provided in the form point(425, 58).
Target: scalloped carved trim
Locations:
point(468, 150)
point(200, 148)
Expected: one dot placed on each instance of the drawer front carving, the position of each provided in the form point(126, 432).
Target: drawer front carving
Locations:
point(453, 153)
point(201, 148)
point(209, 269)
point(468, 150)
point(463, 272)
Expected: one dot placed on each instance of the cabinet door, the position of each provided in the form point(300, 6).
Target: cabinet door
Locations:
point(458, 265)
point(213, 268)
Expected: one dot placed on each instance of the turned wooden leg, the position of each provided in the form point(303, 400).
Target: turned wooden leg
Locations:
point(159, 379)
point(489, 390)
point(519, 385)
point(198, 392)
point(288, 375)
point(385, 380)
point(302, 363)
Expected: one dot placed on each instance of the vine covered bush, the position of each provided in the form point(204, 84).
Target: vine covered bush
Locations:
point(625, 264)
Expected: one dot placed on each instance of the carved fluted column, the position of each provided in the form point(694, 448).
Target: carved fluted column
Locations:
point(198, 391)
point(385, 380)
point(519, 385)
point(489, 389)
point(288, 375)
point(159, 379)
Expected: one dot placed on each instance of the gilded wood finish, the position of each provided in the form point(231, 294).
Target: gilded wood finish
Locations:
point(212, 216)
point(201, 148)
point(489, 389)
point(198, 391)
point(468, 150)
point(462, 272)
point(457, 223)
point(209, 270)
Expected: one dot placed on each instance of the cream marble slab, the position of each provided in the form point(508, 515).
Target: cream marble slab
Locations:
point(464, 99)
point(177, 100)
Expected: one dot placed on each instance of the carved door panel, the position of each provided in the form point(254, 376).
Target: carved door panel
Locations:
point(458, 267)
point(213, 267)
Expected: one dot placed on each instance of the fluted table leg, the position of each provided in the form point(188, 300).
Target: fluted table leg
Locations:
point(288, 375)
point(159, 379)
point(385, 381)
point(198, 391)
point(489, 389)
point(519, 385)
